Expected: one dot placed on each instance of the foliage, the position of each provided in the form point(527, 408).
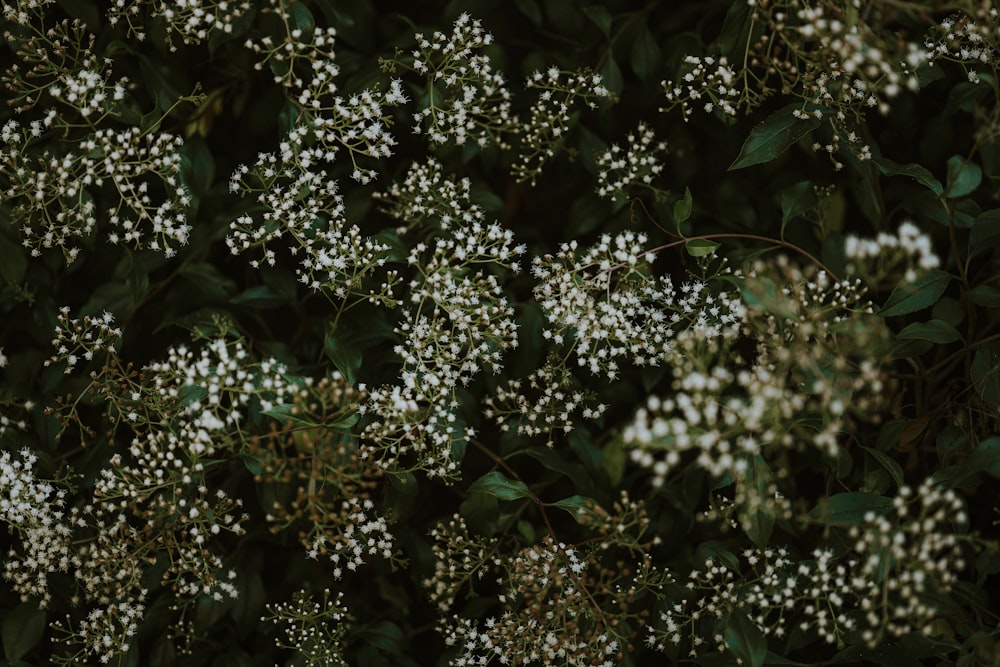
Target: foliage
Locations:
point(549, 332)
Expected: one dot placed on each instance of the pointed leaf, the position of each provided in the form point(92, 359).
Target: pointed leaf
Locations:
point(964, 177)
point(909, 297)
point(774, 136)
point(500, 486)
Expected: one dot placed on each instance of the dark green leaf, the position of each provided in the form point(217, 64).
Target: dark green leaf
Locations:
point(682, 209)
point(890, 465)
point(745, 639)
point(950, 441)
point(922, 293)
point(915, 171)
point(645, 57)
point(481, 512)
point(613, 459)
point(733, 36)
point(984, 295)
point(578, 506)
point(964, 177)
point(796, 200)
point(343, 353)
point(700, 247)
point(498, 485)
point(530, 9)
point(601, 17)
point(13, 261)
point(260, 296)
point(935, 331)
point(985, 233)
point(22, 630)
point(302, 18)
point(612, 76)
point(985, 373)
point(850, 508)
point(774, 136)
point(565, 16)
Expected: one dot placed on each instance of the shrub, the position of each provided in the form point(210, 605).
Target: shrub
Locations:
point(550, 332)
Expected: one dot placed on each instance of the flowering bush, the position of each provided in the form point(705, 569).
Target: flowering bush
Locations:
point(549, 332)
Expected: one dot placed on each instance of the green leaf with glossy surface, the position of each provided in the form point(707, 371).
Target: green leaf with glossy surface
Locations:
point(920, 174)
point(964, 176)
point(701, 247)
point(909, 297)
point(774, 136)
point(500, 486)
point(935, 331)
point(745, 639)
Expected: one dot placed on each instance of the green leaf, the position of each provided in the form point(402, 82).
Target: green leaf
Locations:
point(344, 355)
point(774, 136)
point(759, 521)
point(260, 297)
point(891, 466)
point(796, 200)
point(530, 9)
point(645, 56)
point(612, 77)
point(613, 460)
point(922, 293)
point(745, 639)
point(985, 373)
point(935, 331)
point(985, 233)
point(481, 512)
point(577, 506)
point(286, 413)
point(384, 635)
point(500, 486)
point(700, 247)
point(850, 508)
point(22, 630)
point(682, 209)
point(601, 17)
point(302, 18)
point(964, 176)
point(920, 174)
point(13, 261)
point(950, 441)
point(984, 295)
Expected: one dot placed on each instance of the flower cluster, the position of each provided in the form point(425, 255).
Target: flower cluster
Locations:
point(561, 605)
point(35, 510)
point(193, 20)
point(329, 122)
point(322, 481)
point(621, 172)
point(548, 403)
point(838, 61)
point(816, 342)
point(908, 251)
point(461, 323)
point(313, 629)
point(55, 192)
point(332, 256)
point(708, 83)
point(967, 39)
point(605, 302)
point(427, 196)
point(81, 338)
point(467, 100)
point(884, 584)
point(549, 118)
